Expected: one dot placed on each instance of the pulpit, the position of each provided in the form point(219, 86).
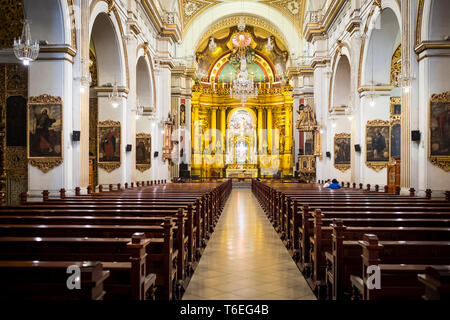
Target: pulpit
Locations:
point(393, 175)
point(91, 171)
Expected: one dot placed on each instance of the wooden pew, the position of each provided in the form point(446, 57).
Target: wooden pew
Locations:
point(391, 216)
point(162, 257)
point(398, 279)
point(184, 243)
point(344, 259)
point(47, 280)
point(125, 258)
point(437, 283)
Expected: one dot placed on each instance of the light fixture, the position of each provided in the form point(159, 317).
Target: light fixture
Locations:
point(212, 44)
point(86, 78)
point(114, 97)
point(243, 87)
point(24, 48)
point(372, 103)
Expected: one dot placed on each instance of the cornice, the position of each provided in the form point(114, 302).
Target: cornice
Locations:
point(427, 45)
point(316, 29)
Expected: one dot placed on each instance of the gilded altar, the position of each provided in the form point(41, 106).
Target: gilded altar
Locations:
point(233, 134)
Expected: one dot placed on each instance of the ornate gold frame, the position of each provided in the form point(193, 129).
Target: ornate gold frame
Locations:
point(378, 165)
point(442, 162)
point(144, 167)
point(341, 167)
point(109, 166)
point(45, 164)
point(394, 101)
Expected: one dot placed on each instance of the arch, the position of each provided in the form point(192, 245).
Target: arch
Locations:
point(206, 20)
point(434, 23)
point(341, 82)
point(374, 14)
point(110, 62)
point(249, 110)
point(265, 65)
point(111, 21)
point(377, 63)
point(145, 53)
point(143, 82)
point(50, 22)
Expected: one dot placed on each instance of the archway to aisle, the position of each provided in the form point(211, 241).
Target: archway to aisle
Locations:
point(380, 109)
point(107, 71)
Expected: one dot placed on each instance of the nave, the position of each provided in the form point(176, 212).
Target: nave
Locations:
point(245, 259)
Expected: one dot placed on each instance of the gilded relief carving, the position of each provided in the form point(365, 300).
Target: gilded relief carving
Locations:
point(13, 152)
point(11, 16)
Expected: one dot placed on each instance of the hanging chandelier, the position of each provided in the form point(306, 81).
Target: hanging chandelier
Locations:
point(114, 96)
point(243, 87)
point(24, 48)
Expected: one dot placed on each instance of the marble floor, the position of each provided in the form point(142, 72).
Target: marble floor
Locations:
point(245, 259)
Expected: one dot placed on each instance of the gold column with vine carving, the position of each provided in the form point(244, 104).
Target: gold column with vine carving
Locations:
point(260, 129)
point(213, 129)
point(269, 129)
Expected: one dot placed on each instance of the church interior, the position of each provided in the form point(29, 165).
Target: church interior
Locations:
point(224, 150)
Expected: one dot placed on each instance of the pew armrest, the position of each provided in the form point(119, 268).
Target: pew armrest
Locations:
point(357, 287)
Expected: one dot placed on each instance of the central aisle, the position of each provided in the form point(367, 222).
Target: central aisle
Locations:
point(245, 259)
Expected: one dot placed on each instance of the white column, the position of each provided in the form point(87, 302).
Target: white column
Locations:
point(54, 77)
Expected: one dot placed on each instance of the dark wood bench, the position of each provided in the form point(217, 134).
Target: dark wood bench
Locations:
point(398, 267)
point(344, 259)
point(125, 259)
point(46, 280)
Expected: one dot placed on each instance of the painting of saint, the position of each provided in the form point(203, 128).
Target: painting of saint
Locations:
point(342, 149)
point(143, 149)
point(396, 140)
point(45, 130)
point(109, 142)
point(377, 143)
point(440, 129)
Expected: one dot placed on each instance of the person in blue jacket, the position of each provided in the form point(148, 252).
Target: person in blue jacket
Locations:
point(334, 184)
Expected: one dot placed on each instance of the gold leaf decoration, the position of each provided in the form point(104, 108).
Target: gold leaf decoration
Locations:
point(109, 167)
point(45, 165)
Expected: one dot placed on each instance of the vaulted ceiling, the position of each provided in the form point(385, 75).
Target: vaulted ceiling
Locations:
point(293, 9)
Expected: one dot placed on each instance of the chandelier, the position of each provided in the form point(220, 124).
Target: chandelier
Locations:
point(243, 87)
point(114, 96)
point(24, 48)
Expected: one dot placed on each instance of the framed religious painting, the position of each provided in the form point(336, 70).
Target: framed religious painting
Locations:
point(377, 144)
point(396, 107)
point(108, 145)
point(45, 132)
point(143, 151)
point(342, 143)
point(439, 131)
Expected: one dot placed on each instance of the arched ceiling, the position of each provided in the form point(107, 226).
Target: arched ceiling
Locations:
point(224, 14)
point(294, 10)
